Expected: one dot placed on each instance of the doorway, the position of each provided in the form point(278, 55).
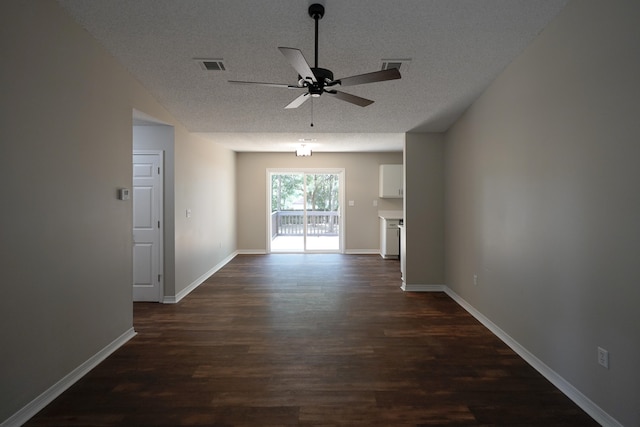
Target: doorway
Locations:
point(304, 213)
point(153, 135)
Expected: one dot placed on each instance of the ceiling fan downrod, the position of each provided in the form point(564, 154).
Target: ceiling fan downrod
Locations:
point(316, 11)
point(323, 76)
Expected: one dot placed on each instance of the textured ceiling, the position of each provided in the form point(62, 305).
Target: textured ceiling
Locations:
point(457, 48)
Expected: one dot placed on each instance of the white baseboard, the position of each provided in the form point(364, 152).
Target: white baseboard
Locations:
point(362, 251)
point(563, 385)
point(199, 281)
point(36, 405)
point(251, 252)
point(422, 288)
point(346, 252)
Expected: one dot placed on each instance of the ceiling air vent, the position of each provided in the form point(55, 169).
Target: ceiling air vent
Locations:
point(400, 64)
point(211, 64)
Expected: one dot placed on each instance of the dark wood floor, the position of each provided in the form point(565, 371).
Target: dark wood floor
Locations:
point(311, 340)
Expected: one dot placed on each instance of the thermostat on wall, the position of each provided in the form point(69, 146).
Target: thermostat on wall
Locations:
point(123, 193)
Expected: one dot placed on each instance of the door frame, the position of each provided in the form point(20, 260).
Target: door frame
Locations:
point(341, 196)
point(160, 207)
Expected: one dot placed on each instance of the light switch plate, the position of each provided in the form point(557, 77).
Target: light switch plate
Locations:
point(124, 194)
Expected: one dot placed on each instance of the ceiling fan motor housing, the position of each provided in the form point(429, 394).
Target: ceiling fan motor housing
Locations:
point(323, 75)
point(324, 78)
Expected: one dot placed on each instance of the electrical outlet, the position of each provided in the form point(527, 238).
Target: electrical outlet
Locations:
point(603, 357)
point(475, 279)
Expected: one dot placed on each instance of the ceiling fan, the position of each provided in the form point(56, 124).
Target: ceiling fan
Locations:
point(318, 81)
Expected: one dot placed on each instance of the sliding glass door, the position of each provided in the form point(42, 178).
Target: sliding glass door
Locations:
point(304, 210)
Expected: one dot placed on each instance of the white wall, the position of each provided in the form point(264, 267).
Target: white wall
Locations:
point(205, 184)
point(66, 240)
point(424, 210)
point(543, 201)
point(362, 225)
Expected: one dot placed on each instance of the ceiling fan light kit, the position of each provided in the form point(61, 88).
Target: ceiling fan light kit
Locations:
point(318, 81)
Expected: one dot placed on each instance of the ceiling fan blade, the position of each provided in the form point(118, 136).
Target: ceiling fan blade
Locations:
point(362, 102)
point(298, 101)
point(265, 84)
point(297, 61)
point(376, 76)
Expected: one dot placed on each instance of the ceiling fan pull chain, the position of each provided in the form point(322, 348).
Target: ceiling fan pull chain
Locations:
point(311, 112)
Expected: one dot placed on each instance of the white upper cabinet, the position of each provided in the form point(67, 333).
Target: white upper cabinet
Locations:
point(391, 182)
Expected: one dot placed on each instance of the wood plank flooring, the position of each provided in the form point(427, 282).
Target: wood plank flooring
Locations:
point(311, 340)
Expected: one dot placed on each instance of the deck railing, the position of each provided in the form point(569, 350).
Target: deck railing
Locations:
point(291, 223)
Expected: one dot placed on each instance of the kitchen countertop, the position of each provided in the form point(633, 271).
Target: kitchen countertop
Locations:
point(391, 214)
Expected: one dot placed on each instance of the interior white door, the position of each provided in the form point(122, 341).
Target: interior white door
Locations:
point(147, 227)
